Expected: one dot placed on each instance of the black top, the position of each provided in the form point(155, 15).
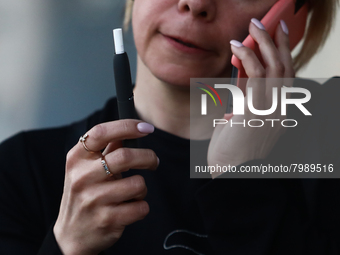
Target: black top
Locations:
point(220, 216)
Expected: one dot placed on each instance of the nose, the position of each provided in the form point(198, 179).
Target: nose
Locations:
point(203, 9)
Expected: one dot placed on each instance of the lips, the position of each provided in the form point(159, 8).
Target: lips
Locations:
point(185, 45)
point(188, 44)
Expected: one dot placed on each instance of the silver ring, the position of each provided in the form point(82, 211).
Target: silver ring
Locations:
point(82, 139)
point(106, 168)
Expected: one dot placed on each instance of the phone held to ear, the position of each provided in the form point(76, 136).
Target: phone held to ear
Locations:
point(294, 13)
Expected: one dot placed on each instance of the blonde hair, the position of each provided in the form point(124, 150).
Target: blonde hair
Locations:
point(128, 13)
point(320, 22)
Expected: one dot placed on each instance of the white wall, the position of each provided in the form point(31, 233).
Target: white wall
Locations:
point(23, 25)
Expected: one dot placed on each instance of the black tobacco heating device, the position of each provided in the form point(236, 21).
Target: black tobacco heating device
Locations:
point(122, 73)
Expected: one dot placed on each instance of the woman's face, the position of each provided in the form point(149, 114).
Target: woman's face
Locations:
point(181, 39)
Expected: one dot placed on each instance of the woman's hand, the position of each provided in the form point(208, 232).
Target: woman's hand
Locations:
point(237, 144)
point(95, 207)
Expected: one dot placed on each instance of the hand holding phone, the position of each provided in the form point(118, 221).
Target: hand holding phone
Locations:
point(294, 13)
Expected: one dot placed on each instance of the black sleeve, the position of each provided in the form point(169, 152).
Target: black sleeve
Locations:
point(50, 245)
point(23, 223)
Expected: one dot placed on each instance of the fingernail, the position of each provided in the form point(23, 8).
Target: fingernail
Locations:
point(258, 23)
point(284, 27)
point(236, 43)
point(146, 128)
point(157, 161)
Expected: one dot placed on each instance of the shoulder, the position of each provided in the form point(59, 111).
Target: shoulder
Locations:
point(40, 136)
point(34, 157)
point(49, 146)
point(320, 88)
point(319, 133)
point(324, 95)
point(330, 91)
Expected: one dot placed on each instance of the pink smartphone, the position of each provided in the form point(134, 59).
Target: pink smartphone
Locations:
point(293, 12)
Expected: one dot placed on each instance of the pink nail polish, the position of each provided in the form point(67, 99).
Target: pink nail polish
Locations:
point(145, 128)
point(236, 43)
point(284, 27)
point(258, 23)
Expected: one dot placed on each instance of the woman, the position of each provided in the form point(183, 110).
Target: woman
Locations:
point(58, 204)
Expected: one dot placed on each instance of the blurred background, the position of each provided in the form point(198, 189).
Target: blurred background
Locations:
point(56, 60)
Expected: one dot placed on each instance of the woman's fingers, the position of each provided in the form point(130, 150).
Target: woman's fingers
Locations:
point(270, 54)
point(116, 192)
point(128, 213)
point(118, 161)
point(122, 159)
point(250, 62)
point(283, 46)
point(277, 62)
point(276, 56)
point(112, 146)
point(101, 135)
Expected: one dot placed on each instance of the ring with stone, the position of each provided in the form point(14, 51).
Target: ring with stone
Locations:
point(82, 139)
point(106, 168)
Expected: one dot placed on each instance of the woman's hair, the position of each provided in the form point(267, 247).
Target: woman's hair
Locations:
point(128, 12)
point(320, 21)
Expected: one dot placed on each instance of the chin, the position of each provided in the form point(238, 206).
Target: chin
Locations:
point(179, 75)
